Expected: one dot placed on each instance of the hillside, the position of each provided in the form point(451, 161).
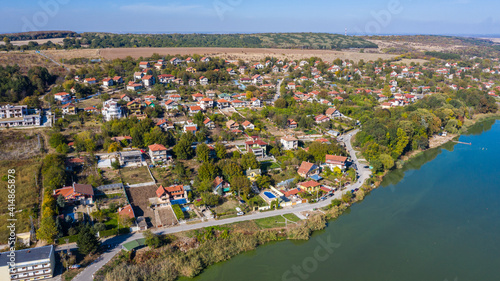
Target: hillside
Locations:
point(259, 40)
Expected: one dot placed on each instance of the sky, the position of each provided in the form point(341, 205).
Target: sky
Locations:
point(360, 17)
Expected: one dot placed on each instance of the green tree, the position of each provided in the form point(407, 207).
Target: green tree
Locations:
point(47, 230)
point(202, 152)
point(220, 150)
point(280, 103)
point(241, 184)
point(56, 139)
point(61, 202)
point(249, 160)
point(387, 161)
point(210, 199)
point(183, 149)
point(152, 240)
point(207, 171)
point(87, 241)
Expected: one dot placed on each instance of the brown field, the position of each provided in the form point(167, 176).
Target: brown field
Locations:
point(27, 60)
point(247, 54)
point(39, 41)
point(416, 46)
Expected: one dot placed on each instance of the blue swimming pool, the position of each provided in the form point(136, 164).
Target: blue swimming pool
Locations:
point(178, 202)
point(185, 209)
point(269, 195)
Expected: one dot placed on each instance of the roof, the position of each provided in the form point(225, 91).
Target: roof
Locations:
point(127, 211)
point(61, 94)
point(174, 188)
point(305, 167)
point(289, 138)
point(206, 121)
point(85, 189)
point(335, 158)
point(294, 191)
point(330, 111)
point(134, 244)
point(246, 123)
point(157, 147)
point(29, 255)
point(311, 183)
point(160, 191)
point(194, 108)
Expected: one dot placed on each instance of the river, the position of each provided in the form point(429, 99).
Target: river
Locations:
point(435, 219)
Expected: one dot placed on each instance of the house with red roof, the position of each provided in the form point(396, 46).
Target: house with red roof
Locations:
point(107, 82)
point(248, 125)
point(62, 97)
point(166, 194)
point(257, 147)
point(209, 124)
point(307, 169)
point(321, 119)
point(158, 153)
point(194, 109)
point(83, 193)
point(127, 212)
point(309, 186)
point(335, 161)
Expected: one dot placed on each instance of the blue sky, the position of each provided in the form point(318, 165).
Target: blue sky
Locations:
point(359, 16)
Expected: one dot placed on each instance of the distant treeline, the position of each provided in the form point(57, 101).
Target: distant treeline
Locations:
point(262, 40)
point(35, 35)
point(444, 56)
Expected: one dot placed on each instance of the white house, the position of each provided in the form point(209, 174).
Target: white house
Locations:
point(111, 110)
point(289, 143)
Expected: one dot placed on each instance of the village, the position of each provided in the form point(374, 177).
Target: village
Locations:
point(181, 140)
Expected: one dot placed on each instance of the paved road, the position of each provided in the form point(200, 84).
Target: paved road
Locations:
point(117, 242)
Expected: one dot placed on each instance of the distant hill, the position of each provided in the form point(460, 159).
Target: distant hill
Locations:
point(258, 40)
point(35, 35)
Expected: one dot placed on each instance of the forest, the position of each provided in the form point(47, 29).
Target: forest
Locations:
point(14, 86)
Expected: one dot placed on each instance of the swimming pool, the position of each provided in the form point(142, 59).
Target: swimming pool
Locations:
point(269, 195)
point(178, 202)
point(185, 209)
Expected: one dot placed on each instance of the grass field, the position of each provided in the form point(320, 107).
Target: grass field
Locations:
point(277, 221)
point(27, 194)
point(135, 175)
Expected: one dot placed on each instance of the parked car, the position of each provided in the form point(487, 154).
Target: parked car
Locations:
point(240, 213)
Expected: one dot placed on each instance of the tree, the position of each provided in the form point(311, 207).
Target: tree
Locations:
point(280, 103)
point(63, 148)
point(183, 149)
point(86, 241)
point(207, 171)
point(220, 150)
point(202, 152)
point(114, 147)
point(47, 230)
point(152, 240)
point(56, 139)
point(90, 145)
point(387, 161)
point(241, 184)
point(263, 182)
point(61, 202)
point(115, 164)
point(249, 160)
point(210, 199)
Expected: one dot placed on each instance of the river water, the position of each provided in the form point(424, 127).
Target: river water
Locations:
point(438, 218)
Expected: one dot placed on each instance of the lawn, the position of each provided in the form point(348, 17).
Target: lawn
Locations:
point(26, 194)
point(227, 207)
point(268, 165)
point(135, 175)
point(276, 221)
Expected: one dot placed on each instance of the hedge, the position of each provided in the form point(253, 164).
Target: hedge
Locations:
point(71, 239)
point(114, 231)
